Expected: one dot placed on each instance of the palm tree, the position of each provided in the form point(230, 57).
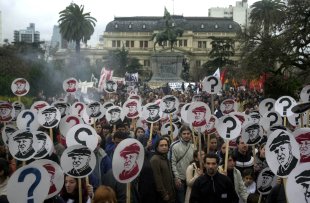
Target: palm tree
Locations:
point(75, 25)
point(267, 14)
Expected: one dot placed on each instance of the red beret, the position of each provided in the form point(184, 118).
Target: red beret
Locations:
point(131, 149)
point(133, 103)
point(50, 169)
point(6, 106)
point(40, 106)
point(302, 137)
point(199, 109)
point(71, 81)
point(20, 81)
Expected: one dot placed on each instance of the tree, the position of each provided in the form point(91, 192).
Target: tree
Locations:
point(222, 50)
point(170, 33)
point(75, 25)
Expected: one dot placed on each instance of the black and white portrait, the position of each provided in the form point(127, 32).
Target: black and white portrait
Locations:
point(22, 145)
point(49, 117)
point(265, 181)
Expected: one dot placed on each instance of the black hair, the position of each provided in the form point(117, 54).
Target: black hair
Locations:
point(212, 156)
point(238, 140)
point(248, 172)
point(183, 128)
point(158, 141)
point(138, 128)
point(4, 165)
point(120, 135)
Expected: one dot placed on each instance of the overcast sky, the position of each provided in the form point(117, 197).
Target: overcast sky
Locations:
point(17, 14)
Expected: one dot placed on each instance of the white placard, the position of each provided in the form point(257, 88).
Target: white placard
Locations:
point(252, 133)
point(298, 184)
point(20, 87)
point(271, 118)
point(78, 161)
point(63, 108)
point(7, 132)
point(127, 160)
point(266, 105)
point(302, 136)
point(229, 127)
point(151, 113)
point(36, 106)
point(28, 119)
point(282, 152)
point(28, 184)
point(44, 144)
point(78, 109)
point(284, 105)
point(110, 86)
point(184, 111)
point(198, 115)
point(228, 105)
point(166, 129)
point(6, 112)
point(212, 84)
point(70, 85)
point(114, 114)
point(266, 181)
point(94, 110)
point(18, 107)
point(49, 117)
point(68, 122)
point(82, 134)
point(132, 108)
point(169, 104)
point(305, 94)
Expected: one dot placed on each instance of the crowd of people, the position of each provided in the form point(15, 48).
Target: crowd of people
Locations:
point(174, 170)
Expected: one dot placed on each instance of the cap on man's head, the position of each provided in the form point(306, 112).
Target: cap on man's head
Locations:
point(252, 127)
point(60, 105)
point(132, 103)
point(20, 81)
point(71, 81)
point(114, 110)
point(9, 129)
point(153, 106)
point(167, 99)
point(255, 115)
point(41, 136)
point(79, 152)
point(199, 109)
point(110, 82)
point(303, 177)
point(268, 173)
point(49, 110)
point(24, 135)
point(131, 149)
point(94, 104)
point(17, 106)
point(281, 139)
point(40, 106)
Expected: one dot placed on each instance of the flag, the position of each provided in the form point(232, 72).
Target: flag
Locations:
point(222, 75)
point(131, 77)
point(104, 76)
point(217, 73)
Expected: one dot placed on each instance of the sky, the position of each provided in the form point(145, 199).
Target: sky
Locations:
point(17, 14)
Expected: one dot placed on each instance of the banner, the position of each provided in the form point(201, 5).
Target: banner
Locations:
point(105, 75)
point(131, 77)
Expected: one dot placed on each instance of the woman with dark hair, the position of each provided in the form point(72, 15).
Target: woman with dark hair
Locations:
point(70, 191)
point(139, 134)
point(4, 178)
point(193, 171)
point(162, 172)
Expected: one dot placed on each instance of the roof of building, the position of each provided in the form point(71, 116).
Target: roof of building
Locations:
point(150, 24)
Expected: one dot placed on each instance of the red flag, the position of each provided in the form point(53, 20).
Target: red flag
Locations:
point(104, 76)
point(222, 75)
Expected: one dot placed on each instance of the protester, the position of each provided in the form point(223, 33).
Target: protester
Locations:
point(104, 194)
point(244, 158)
point(162, 172)
point(4, 177)
point(249, 180)
point(260, 160)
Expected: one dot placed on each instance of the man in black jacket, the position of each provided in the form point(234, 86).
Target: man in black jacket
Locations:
point(213, 187)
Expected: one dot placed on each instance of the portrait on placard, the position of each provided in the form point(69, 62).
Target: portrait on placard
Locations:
point(151, 112)
point(6, 112)
point(70, 85)
point(82, 134)
point(198, 115)
point(166, 129)
point(78, 161)
point(127, 160)
point(95, 110)
point(282, 152)
point(62, 107)
point(266, 181)
point(110, 86)
point(44, 144)
point(252, 133)
point(6, 132)
point(20, 87)
point(27, 119)
point(142, 123)
point(169, 104)
point(114, 114)
point(49, 117)
point(210, 127)
point(254, 117)
point(55, 175)
point(132, 108)
point(266, 105)
point(184, 111)
point(227, 106)
point(302, 137)
point(106, 105)
point(21, 181)
point(298, 184)
point(17, 108)
point(23, 145)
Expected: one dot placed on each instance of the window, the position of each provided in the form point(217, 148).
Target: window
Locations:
point(116, 26)
point(116, 43)
point(113, 43)
point(185, 42)
point(202, 26)
point(173, 24)
point(198, 63)
point(216, 26)
point(129, 43)
point(230, 26)
point(143, 26)
point(132, 43)
point(180, 43)
point(129, 26)
point(202, 44)
point(144, 44)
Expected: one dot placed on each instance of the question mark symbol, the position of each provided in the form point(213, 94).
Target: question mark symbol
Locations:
point(214, 84)
point(273, 114)
point(80, 109)
point(77, 133)
point(269, 105)
point(72, 118)
point(30, 120)
point(289, 103)
point(37, 174)
point(230, 128)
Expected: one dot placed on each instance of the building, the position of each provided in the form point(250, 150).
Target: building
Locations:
point(135, 34)
point(239, 13)
point(57, 40)
point(29, 35)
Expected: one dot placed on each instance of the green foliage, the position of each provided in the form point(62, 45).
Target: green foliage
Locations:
point(75, 25)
